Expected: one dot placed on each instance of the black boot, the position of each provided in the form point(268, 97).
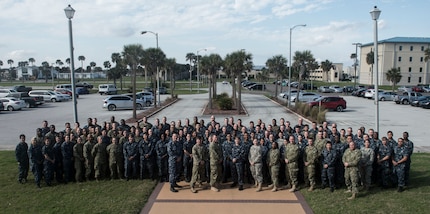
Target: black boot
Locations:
point(172, 188)
point(233, 184)
point(176, 185)
point(240, 187)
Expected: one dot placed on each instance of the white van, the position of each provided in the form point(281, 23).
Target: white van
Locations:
point(107, 89)
point(64, 86)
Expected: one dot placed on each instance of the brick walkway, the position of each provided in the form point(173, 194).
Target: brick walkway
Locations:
point(228, 200)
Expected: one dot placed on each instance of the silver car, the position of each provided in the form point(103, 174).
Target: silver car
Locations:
point(336, 89)
point(305, 96)
point(115, 102)
point(385, 96)
point(12, 104)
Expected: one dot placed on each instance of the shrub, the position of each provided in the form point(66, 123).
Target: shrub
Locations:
point(225, 103)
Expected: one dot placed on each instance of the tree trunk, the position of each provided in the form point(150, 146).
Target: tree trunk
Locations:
point(214, 85)
point(233, 87)
point(134, 92)
point(239, 93)
point(210, 91)
point(276, 85)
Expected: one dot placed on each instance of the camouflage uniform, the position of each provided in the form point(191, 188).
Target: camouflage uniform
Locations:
point(366, 165)
point(174, 149)
point(200, 156)
point(410, 148)
point(161, 149)
point(89, 160)
point(216, 156)
point(116, 160)
point(274, 164)
point(48, 163)
point(78, 155)
point(311, 157)
point(188, 160)
point(400, 170)
point(36, 162)
point(146, 151)
point(329, 158)
point(384, 166)
point(292, 155)
point(255, 156)
point(22, 159)
point(100, 161)
point(131, 152)
point(227, 164)
point(67, 152)
point(238, 153)
point(352, 157)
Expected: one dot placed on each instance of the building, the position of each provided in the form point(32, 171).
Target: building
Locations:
point(405, 53)
point(335, 74)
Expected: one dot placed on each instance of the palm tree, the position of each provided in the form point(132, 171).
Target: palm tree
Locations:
point(192, 58)
point(210, 65)
point(326, 67)
point(277, 65)
point(393, 75)
point(45, 70)
point(304, 62)
point(82, 59)
point(154, 57)
point(169, 65)
point(238, 62)
point(132, 55)
point(10, 62)
point(1, 71)
point(32, 61)
point(119, 70)
point(370, 60)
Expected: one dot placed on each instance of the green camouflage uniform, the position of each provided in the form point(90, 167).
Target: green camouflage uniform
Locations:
point(310, 156)
point(255, 156)
point(366, 165)
point(292, 155)
point(352, 157)
point(200, 154)
point(215, 154)
point(274, 164)
point(116, 160)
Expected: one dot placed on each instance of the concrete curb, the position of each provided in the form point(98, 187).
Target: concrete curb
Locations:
point(291, 111)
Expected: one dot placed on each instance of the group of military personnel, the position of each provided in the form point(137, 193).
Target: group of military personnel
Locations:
point(217, 152)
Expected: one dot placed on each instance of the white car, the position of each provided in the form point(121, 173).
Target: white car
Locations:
point(305, 96)
point(112, 103)
point(285, 93)
point(12, 104)
point(63, 97)
point(47, 95)
point(370, 93)
point(426, 89)
point(336, 89)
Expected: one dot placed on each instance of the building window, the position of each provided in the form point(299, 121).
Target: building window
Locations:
point(422, 48)
point(400, 58)
point(410, 69)
point(410, 59)
point(400, 48)
point(409, 79)
point(399, 69)
point(412, 48)
point(421, 59)
point(421, 69)
point(419, 79)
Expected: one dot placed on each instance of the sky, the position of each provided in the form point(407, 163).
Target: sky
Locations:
point(39, 29)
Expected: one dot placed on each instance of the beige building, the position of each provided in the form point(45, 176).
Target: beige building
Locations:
point(405, 53)
point(334, 75)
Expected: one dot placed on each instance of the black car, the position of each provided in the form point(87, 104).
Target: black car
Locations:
point(348, 89)
point(84, 85)
point(258, 87)
point(82, 90)
point(359, 92)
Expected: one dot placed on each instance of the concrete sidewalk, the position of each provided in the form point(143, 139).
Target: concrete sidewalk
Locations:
point(228, 200)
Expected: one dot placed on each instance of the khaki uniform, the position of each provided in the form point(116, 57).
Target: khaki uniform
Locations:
point(292, 155)
point(352, 157)
point(310, 156)
point(200, 156)
point(274, 164)
point(215, 154)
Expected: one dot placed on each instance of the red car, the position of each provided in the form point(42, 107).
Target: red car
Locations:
point(334, 103)
point(417, 89)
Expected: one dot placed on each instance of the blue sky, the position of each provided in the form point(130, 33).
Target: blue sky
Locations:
point(39, 29)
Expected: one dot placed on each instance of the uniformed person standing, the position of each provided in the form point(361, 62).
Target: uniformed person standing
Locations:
point(255, 159)
point(384, 162)
point(410, 148)
point(291, 159)
point(22, 159)
point(116, 159)
point(400, 157)
point(100, 159)
point(227, 163)
point(131, 152)
point(274, 164)
point(67, 152)
point(200, 156)
point(162, 157)
point(366, 164)
point(174, 150)
point(89, 159)
point(237, 158)
point(216, 159)
point(146, 151)
point(350, 160)
point(310, 158)
point(49, 162)
point(36, 160)
point(328, 166)
point(78, 155)
point(188, 160)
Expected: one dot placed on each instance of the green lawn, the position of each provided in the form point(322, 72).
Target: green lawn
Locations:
point(130, 196)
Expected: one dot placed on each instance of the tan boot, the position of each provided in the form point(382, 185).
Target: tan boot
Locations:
point(259, 187)
point(293, 189)
point(311, 188)
point(193, 190)
point(352, 196)
point(270, 186)
point(256, 184)
point(274, 188)
point(214, 189)
point(348, 191)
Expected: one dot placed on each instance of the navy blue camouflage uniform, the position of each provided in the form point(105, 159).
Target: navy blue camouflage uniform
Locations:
point(329, 158)
point(22, 159)
point(36, 162)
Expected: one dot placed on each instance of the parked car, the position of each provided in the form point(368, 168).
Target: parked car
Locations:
point(285, 93)
point(147, 89)
point(5, 92)
point(348, 89)
point(335, 103)
point(84, 85)
point(22, 88)
point(247, 84)
point(30, 101)
point(258, 87)
point(426, 105)
point(426, 89)
point(63, 86)
point(420, 101)
point(407, 97)
point(66, 91)
point(305, 96)
point(359, 92)
point(47, 95)
point(385, 96)
point(404, 89)
point(369, 93)
point(417, 89)
point(146, 99)
point(325, 89)
point(162, 90)
point(107, 89)
point(63, 97)
point(12, 104)
point(224, 82)
point(82, 90)
point(1, 106)
point(336, 89)
point(115, 102)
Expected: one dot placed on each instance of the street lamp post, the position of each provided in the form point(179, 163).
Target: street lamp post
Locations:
point(198, 71)
point(69, 14)
point(158, 69)
point(289, 69)
point(355, 62)
point(375, 16)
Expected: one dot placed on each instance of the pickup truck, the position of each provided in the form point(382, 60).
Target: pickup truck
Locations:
point(30, 101)
point(407, 97)
point(22, 88)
